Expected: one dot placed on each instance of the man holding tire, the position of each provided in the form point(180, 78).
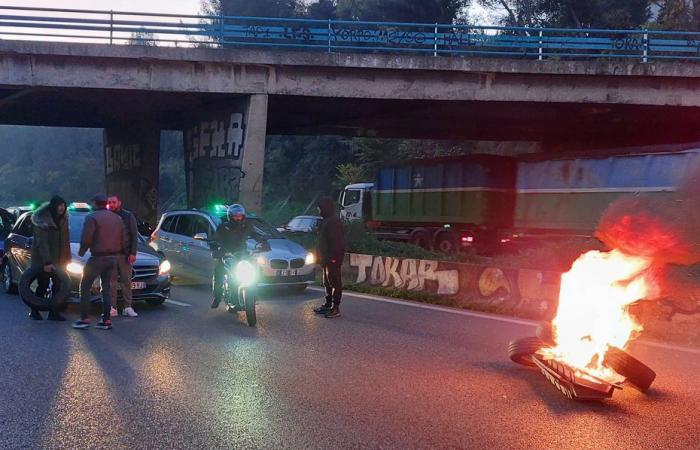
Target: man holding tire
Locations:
point(50, 249)
point(104, 235)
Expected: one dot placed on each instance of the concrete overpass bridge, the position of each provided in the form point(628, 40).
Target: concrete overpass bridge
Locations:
point(228, 98)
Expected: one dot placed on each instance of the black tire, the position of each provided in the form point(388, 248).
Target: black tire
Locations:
point(9, 285)
point(421, 238)
point(249, 301)
point(155, 301)
point(445, 242)
point(638, 374)
point(520, 350)
point(41, 303)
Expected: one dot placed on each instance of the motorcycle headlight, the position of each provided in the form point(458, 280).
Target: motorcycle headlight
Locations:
point(164, 268)
point(245, 273)
point(75, 268)
point(261, 260)
point(310, 259)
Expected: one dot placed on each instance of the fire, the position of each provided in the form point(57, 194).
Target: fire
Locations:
point(594, 299)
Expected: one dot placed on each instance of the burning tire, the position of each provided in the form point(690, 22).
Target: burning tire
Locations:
point(520, 351)
point(638, 374)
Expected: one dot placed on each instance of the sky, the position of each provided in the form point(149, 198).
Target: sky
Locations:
point(478, 14)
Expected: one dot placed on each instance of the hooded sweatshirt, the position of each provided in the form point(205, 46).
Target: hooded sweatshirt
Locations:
point(331, 236)
point(51, 243)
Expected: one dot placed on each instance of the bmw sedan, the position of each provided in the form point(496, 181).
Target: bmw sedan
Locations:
point(150, 279)
point(183, 236)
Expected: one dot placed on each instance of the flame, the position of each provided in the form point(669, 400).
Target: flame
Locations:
point(593, 311)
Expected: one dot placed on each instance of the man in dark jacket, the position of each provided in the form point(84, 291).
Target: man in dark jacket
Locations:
point(331, 251)
point(126, 260)
point(104, 235)
point(231, 237)
point(50, 248)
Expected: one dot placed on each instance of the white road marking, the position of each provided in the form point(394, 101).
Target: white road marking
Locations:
point(173, 302)
point(495, 317)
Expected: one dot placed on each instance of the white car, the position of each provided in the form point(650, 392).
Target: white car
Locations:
point(183, 236)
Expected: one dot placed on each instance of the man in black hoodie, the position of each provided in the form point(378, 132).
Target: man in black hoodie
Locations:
point(331, 251)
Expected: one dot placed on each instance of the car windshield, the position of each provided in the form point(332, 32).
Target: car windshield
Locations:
point(76, 224)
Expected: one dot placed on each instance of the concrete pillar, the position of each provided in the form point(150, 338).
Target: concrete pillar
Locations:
point(132, 156)
point(225, 152)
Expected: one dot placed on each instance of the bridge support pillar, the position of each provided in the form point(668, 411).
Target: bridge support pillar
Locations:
point(225, 152)
point(132, 156)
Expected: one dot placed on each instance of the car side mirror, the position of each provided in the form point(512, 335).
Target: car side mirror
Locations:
point(201, 237)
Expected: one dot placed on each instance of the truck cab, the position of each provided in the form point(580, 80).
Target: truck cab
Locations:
point(355, 202)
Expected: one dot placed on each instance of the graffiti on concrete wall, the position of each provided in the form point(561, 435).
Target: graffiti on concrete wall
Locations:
point(213, 155)
point(409, 274)
point(122, 158)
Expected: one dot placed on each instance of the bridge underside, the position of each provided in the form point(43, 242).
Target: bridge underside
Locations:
point(555, 125)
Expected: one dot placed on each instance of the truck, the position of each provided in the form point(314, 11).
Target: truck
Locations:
point(487, 202)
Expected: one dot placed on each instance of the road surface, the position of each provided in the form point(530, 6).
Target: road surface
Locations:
point(385, 375)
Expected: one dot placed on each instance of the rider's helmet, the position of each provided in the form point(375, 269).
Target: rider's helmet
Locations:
point(236, 213)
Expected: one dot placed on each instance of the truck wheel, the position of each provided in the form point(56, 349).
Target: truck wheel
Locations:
point(445, 242)
point(420, 238)
point(521, 350)
point(638, 374)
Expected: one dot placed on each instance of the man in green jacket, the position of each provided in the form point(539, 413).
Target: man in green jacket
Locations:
point(50, 248)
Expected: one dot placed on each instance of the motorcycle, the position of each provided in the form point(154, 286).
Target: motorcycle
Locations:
point(241, 277)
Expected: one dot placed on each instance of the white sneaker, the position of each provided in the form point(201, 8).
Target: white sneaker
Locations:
point(114, 312)
point(129, 312)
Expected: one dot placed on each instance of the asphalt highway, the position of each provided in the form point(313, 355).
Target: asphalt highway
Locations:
point(384, 375)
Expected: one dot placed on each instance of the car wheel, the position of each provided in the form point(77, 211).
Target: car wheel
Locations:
point(41, 303)
point(521, 350)
point(8, 284)
point(155, 301)
point(638, 374)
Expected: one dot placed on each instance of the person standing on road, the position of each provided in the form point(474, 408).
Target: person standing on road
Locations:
point(331, 252)
point(104, 235)
point(50, 248)
point(126, 260)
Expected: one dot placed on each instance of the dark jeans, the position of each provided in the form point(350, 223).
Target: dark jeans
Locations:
point(219, 274)
point(104, 267)
point(333, 283)
point(42, 287)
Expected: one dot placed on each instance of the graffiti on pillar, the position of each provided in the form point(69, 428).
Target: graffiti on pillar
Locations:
point(213, 154)
point(409, 274)
point(122, 158)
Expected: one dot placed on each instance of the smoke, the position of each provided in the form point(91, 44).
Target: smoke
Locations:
point(664, 227)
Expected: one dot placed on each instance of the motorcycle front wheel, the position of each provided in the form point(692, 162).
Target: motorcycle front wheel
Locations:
point(248, 298)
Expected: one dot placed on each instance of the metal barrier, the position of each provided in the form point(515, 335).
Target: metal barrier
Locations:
point(133, 28)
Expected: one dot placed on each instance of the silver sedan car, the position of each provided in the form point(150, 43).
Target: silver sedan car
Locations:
point(183, 236)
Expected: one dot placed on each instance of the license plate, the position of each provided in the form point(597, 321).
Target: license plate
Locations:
point(287, 273)
point(135, 285)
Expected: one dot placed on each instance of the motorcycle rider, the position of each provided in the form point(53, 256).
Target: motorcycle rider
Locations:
point(231, 237)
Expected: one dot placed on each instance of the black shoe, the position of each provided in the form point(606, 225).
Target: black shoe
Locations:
point(35, 315)
point(323, 309)
point(215, 303)
point(55, 316)
point(333, 313)
point(104, 324)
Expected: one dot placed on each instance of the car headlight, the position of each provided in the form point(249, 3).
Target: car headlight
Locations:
point(75, 268)
point(245, 273)
point(310, 259)
point(261, 260)
point(164, 267)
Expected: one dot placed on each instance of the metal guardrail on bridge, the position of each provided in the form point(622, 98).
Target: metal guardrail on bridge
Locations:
point(132, 28)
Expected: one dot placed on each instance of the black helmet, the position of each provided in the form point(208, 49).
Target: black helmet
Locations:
point(235, 210)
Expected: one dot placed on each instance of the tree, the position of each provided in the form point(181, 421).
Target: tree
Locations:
point(322, 9)
point(678, 14)
point(620, 14)
point(422, 11)
point(253, 8)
